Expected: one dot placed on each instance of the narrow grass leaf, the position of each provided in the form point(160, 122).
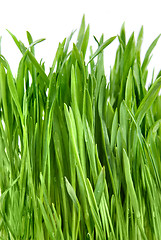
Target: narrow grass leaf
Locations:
point(13, 92)
point(100, 185)
point(36, 42)
point(3, 89)
point(128, 90)
point(138, 45)
point(85, 42)
point(130, 185)
point(72, 194)
point(38, 67)
point(147, 55)
point(20, 79)
point(94, 208)
point(102, 47)
point(123, 34)
point(46, 219)
point(19, 44)
point(81, 34)
point(91, 149)
point(114, 129)
point(148, 100)
point(58, 222)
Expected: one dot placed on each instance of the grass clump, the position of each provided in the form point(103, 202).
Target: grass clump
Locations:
point(80, 155)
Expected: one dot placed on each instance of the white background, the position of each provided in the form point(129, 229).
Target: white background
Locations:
point(55, 20)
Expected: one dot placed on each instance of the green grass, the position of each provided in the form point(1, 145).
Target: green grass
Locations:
point(80, 153)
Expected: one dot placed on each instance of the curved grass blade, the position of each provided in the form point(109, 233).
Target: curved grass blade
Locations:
point(148, 101)
point(102, 47)
point(36, 42)
point(47, 221)
point(81, 34)
point(100, 185)
point(130, 185)
point(38, 67)
point(94, 208)
point(13, 92)
point(128, 90)
point(3, 94)
point(19, 44)
point(85, 42)
point(138, 45)
point(148, 54)
point(123, 35)
point(114, 129)
point(143, 145)
point(20, 79)
point(72, 194)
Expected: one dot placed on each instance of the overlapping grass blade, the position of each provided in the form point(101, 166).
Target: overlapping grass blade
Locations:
point(80, 155)
point(102, 47)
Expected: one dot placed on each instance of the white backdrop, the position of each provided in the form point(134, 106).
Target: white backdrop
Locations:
point(55, 20)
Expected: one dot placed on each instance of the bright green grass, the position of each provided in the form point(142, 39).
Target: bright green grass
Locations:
point(80, 158)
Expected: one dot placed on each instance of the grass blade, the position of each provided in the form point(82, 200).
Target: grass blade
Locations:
point(102, 47)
